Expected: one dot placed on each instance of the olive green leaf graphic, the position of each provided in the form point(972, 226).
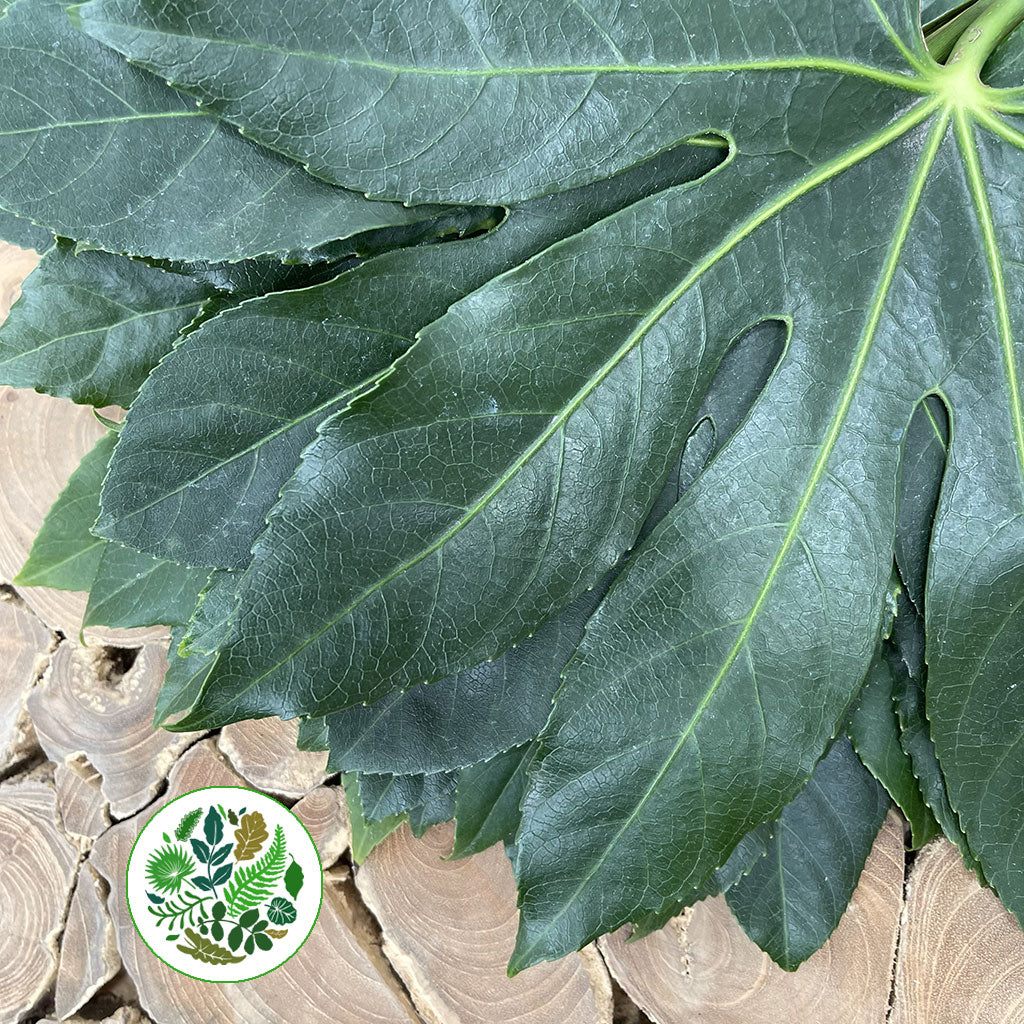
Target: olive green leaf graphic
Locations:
point(251, 835)
point(277, 933)
point(168, 867)
point(188, 824)
point(207, 951)
point(293, 878)
point(254, 883)
point(281, 911)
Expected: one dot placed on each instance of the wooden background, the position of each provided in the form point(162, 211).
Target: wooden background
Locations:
point(409, 936)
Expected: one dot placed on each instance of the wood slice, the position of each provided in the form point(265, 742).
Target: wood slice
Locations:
point(331, 978)
point(15, 265)
point(83, 809)
point(37, 870)
point(263, 752)
point(449, 927)
point(961, 957)
point(24, 648)
point(122, 1015)
point(88, 950)
point(79, 712)
point(42, 440)
point(702, 967)
point(323, 811)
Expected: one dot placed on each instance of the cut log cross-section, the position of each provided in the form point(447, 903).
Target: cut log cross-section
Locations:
point(449, 928)
point(702, 967)
point(78, 710)
point(24, 645)
point(37, 871)
point(961, 955)
point(331, 978)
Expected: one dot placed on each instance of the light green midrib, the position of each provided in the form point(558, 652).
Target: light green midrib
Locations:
point(828, 170)
point(889, 269)
point(822, 174)
point(95, 122)
point(976, 183)
point(101, 329)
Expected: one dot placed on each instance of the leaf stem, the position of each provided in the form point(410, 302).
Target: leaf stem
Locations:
point(985, 32)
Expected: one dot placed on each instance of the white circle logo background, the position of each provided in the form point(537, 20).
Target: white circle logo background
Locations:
point(155, 919)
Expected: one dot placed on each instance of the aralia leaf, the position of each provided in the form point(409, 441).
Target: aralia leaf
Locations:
point(875, 732)
point(91, 326)
point(126, 588)
point(219, 429)
point(793, 898)
point(366, 834)
point(401, 100)
point(100, 151)
point(23, 233)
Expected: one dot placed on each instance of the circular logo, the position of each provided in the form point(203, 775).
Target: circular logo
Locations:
point(224, 884)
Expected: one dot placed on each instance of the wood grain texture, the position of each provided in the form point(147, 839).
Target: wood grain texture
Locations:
point(24, 649)
point(449, 927)
point(330, 979)
point(42, 440)
point(83, 809)
point(263, 752)
point(325, 815)
point(961, 957)
point(702, 967)
point(88, 949)
point(78, 711)
point(37, 871)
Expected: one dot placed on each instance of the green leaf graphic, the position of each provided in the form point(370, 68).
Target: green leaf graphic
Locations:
point(253, 883)
point(292, 880)
point(207, 951)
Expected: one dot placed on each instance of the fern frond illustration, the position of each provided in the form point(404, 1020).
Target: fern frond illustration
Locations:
point(254, 883)
point(168, 867)
point(187, 825)
point(175, 913)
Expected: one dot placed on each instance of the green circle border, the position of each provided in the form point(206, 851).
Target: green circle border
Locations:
point(225, 981)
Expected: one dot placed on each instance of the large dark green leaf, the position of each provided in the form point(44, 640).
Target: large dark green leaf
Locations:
point(875, 731)
point(873, 199)
point(365, 834)
point(103, 152)
point(24, 233)
point(485, 103)
point(221, 424)
point(91, 326)
point(126, 588)
point(793, 898)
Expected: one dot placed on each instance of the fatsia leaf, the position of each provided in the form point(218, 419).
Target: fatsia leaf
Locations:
point(248, 390)
point(793, 898)
point(873, 199)
point(65, 553)
point(103, 152)
point(131, 588)
point(91, 326)
point(23, 233)
point(126, 588)
point(487, 800)
point(437, 802)
point(384, 795)
point(366, 834)
point(875, 732)
point(182, 682)
point(403, 98)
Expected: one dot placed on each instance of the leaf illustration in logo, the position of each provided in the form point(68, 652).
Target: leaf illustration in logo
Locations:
point(281, 911)
point(251, 835)
point(232, 817)
point(293, 878)
point(253, 883)
point(168, 867)
point(208, 951)
point(277, 933)
point(213, 826)
point(188, 824)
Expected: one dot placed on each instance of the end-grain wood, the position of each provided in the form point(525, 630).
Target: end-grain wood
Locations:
point(324, 813)
point(961, 958)
point(79, 712)
point(330, 980)
point(449, 927)
point(24, 647)
point(263, 752)
point(37, 871)
point(702, 967)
